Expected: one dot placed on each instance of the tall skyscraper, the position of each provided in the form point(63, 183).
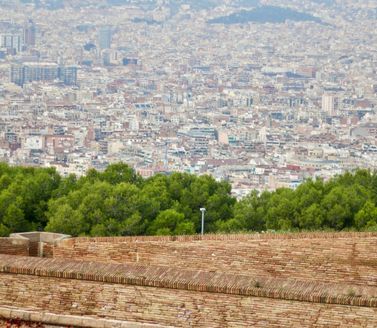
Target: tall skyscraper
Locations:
point(29, 32)
point(104, 37)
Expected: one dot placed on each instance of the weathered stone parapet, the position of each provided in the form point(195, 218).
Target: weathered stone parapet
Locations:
point(227, 237)
point(261, 280)
point(344, 258)
point(14, 246)
point(40, 243)
point(192, 280)
point(173, 307)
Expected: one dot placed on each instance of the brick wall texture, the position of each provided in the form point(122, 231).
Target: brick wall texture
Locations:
point(14, 246)
point(327, 257)
point(178, 308)
point(292, 280)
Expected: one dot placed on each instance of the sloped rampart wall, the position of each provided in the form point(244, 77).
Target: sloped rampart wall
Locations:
point(326, 257)
point(178, 297)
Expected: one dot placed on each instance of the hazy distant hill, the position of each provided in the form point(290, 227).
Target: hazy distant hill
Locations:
point(194, 4)
point(245, 3)
point(325, 2)
point(265, 14)
point(146, 4)
point(174, 5)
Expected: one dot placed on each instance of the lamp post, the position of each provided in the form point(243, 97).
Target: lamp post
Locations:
point(202, 209)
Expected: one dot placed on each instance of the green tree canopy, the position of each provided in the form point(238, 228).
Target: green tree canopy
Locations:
point(118, 201)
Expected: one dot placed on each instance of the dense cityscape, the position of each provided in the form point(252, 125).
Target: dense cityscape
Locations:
point(191, 86)
point(188, 163)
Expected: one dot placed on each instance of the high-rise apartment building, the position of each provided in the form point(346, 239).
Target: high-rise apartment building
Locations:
point(68, 75)
point(38, 71)
point(104, 37)
point(17, 75)
point(330, 103)
point(11, 42)
point(29, 33)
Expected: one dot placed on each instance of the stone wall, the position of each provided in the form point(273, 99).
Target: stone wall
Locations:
point(13, 246)
point(126, 292)
point(180, 308)
point(48, 250)
point(41, 244)
point(326, 257)
point(259, 280)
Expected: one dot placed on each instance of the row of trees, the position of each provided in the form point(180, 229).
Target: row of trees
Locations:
point(346, 202)
point(120, 202)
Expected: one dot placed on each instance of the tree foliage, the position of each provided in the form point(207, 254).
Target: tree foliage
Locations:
point(118, 202)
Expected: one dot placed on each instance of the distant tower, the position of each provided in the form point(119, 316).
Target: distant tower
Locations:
point(104, 37)
point(329, 103)
point(29, 32)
